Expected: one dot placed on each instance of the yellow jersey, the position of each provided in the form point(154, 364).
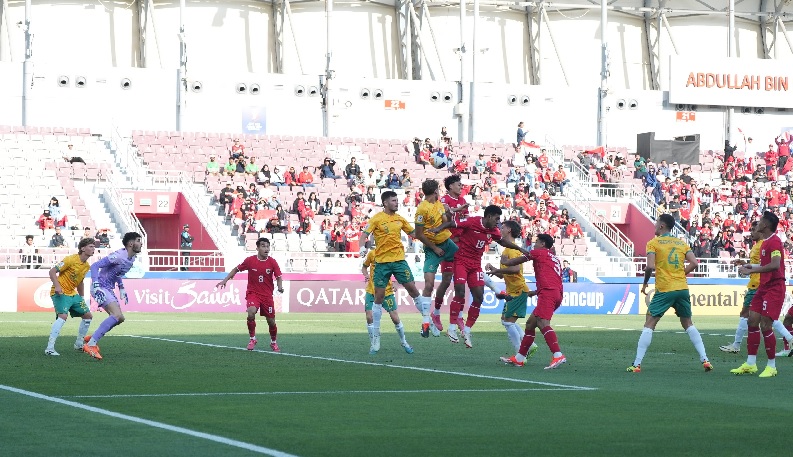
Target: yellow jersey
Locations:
point(428, 216)
point(71, 272)
point(670, 262)
point(386, 230)
point(370, 262)
point(754, 259)
point(516, 283)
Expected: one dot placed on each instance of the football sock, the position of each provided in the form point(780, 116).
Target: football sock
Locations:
point(82, 330)
point(104, 327)
point(782, 330)
point(740, 332)
point(491, 284)
point(370, 329)
point(438, 303)
point(454, 312)
point(377, 314)
point(473, 315)
point(551, 340)
point(514, 338)
point(273, 332)
point(417, 301)
point(401, 332)
point(525, 344)
point(753, 343)
point(644, 342)
point(252, 328)
point(789, 328)
point(772, 363)
point(770, 344)
point(426, 303)
point(696, 339)
point(56, 330)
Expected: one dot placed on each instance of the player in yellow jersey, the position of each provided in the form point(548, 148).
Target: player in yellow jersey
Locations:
point(389, 255)
point(438, 247)
point(517, 292)
point(666, 256)
point(372, 316)
point(67, 289)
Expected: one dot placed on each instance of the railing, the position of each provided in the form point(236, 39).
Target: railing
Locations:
point(207, 214)
point(122, 211)
point(618, 239)
point(178, 260)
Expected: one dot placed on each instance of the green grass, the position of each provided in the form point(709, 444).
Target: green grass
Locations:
point(671, 408)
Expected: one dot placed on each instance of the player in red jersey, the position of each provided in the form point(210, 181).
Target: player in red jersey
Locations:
point(477, 233)
point(259, 294)
point(769, 298)
point(458, 207)
point(548, 274)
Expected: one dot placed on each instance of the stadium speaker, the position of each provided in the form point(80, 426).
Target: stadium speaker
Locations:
point(447, 97)
point(63, 81)
point(693, 107)
point(196, 86)
point(621, 104)
point(126, 83)
point(759, 111)
point(746, 110)
point(241, 88)
point(80, 81)
point(378, 94)
point(255, 89)
point(511, 99)
point(313, 91)
point(680, 107)
point(300, 91)
point(524, 100)
point(633, 104)
point(365, 93)
point(435, 96)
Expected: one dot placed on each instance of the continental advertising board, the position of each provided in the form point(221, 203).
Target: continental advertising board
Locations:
point(715, 300)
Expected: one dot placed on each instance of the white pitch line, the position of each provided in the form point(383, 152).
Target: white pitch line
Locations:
point(155, 424)
point(359, 362)
point(327, 392)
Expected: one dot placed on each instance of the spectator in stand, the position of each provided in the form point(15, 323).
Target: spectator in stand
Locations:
point(686, 177)
point(240, 166)
point(57, 240)
point(327, 208)
point(663, 169)
point(337, 238)
point(87, 233)
point(274, 225)
point(230, 168)
point(382, 180)
point(543, 161)
point(326, 169)
point(305, 178)
point(560, 179)
point(674, 207)
point(313, 203)
point(69, 157)
point(45, 221)
point(338, 208)
point(371, 196)
point(370, 180)
point(299, 204)
point(30, 257)
point(404, 180)
point(417, 147)
point(359, 181)
point(640, 165)
point(237, 150)
point(729, 151)
point(252, 169)
point(102, 239)
point(771, 158)
point(445, 135)
point(574, 230)
point(479, 165)
point(783, 145)
point(568, 274)
point(264, 177)
point(277, 178)
point(424, 157)
point(461, 166)
point(492, 164)
point(213, 167)
point(55, 211)
point(521, 136)
point(352, 169)
point(185, 246)
point(290, 177)
point(226, 195)
point(393, 181)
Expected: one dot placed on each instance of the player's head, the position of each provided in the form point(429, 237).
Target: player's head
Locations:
point(755, 235)
point(664, 224)
point(768, 223)
point(429, 187)
point(453, 184)
point(492, 216)
point(390, 200)
point(263, 247)
point(86, 246)
point(511, 228)
point(543, 241)
point(133, 240)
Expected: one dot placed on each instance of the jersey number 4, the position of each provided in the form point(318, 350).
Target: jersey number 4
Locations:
point(673, 259)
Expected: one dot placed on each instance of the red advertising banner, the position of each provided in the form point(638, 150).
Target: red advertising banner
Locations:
point(33, 294)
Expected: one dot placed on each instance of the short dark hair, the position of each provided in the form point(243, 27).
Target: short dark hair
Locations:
point(772, 220)
point(546, 239)
point(511, 227)
point(386, 195)
point(451, 179)
point(28, 237)
point(667, 220)
point(262, 241)
point(429, 186)
point(493, 210)
point(130, 236)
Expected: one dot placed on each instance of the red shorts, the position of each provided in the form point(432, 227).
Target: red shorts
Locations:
point(469, 274)
point(768, 301)
point(265, 305)
point(447, 266)
point(548, 301)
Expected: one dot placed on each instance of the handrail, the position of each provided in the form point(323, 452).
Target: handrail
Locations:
point(618, 239)
point(207, 214)
point(124, 212)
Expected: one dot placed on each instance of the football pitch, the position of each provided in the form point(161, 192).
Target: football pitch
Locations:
point(183, 384)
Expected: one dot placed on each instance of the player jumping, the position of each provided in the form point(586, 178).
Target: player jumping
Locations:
point(458, 207)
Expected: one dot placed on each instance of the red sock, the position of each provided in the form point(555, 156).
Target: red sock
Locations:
point(526, 342)
point(273, 332)
point(550, 338)
point(753, 340)
point(454, 311)
point(438, 301)
point(770, 344)
point(789, 329)
point(473, 314)
point(252, 328)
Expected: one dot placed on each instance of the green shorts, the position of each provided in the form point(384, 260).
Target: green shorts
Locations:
point(72, 304)
point(399, 270)
point(747, 299)
point(389, 302)
point(680, 300)
point(516, 307)
point(432, 261)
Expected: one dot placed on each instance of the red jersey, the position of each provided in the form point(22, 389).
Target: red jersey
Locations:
point(260, 275)
point(474, 239)
point(547, 269)
point(772, 247)
point(452, 203)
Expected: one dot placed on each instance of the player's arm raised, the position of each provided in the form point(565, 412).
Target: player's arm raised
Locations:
point(511, 245)
point(513, 262)
point(234, 271)
point(649, 269)
point(693, 263)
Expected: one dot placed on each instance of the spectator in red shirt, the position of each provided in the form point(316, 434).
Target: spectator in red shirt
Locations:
point(305, 178)
point(574, 230)
point(783, 148)
point(542, 160)
point(492, 164)
point(461, 166)
point(560, 179)
point(237, 150)
point(771, 158)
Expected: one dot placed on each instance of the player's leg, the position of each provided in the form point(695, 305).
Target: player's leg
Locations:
point(403, 275)
point(743, 324)
point(431, 264)
point(80, 309)
point(447, 275)
point(61, 303)
point(655, 311)
point(787, 324)
point(515, 309)
point(390, 305)
point(526, 343)
point(476, 285)
point(769, 338)
point(547, 303)
point(267, 310)
point(682, 307)
point(107, 301)
point(368, 306)
point(754, 335)
point(458, 301)
point(253, 306)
